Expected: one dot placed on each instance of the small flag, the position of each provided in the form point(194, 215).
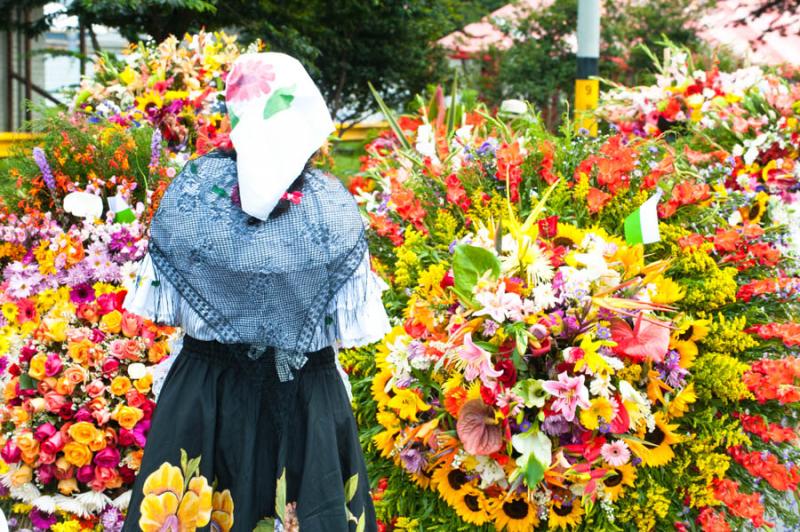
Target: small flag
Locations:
point(83, 205)
point(641, 226)
point(122, 211)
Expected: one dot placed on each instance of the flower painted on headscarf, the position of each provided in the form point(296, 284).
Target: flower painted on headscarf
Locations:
point(248, 80)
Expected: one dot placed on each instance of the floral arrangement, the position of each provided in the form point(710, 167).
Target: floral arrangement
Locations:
point(176, 85)
point(722, 453)
point(75, 368)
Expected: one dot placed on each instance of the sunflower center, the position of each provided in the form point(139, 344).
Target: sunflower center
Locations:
point(563, 510)
point(656, 437)
point(563, 241)
point(516, 509)
point(614, 479)
point(685, 335)
point(472, 502)
point(457, 478)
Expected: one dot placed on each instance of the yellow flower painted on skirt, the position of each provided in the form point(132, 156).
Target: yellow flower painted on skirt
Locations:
point(170, 503)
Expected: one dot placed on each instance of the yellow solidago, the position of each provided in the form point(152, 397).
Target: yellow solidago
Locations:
point(406, 523)
point(581, 189)
point(727, 335)
point(407, 266)
point(445, 227)
point(493, 209)
point(645, 512)
point(631, 373)
point(430, 282)
point(717, 375)
point(666, 291)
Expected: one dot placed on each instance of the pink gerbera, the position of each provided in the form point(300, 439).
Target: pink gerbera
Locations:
point(249, 79)
point(616, 453)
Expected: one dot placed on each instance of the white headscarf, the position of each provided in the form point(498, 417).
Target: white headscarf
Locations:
point(278, 119)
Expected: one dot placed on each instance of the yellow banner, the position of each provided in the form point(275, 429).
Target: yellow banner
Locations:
point(587, 96)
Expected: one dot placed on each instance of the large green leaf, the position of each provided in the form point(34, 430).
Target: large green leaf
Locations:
point(469, 265)
point(390, 118)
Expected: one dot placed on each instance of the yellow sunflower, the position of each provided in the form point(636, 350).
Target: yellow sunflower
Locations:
point(679, 404)
point(516, 514)
point(618, 477)
point(655, 447)
point(472, 506)
point(149, 99)
point(568, 236)
point(565, 515)
point(452, 484)
point(379, 393)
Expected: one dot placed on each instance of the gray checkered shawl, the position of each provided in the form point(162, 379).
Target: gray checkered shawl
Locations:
point(263, 283)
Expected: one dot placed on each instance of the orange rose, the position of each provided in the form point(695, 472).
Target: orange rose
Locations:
point(98, 403)
point(120, 385)
point(27, 443)
point(63, 468)
point(75, 375)
point(98, 443)
point(131, 324)
point(83, 432)
point(21, 476)
point(37, 363)
point(79, 351)
point(64, 386)
point(10, 390)
point(68, 486)
point(19, 415)
point(133, 350)
point(127, 416)
point(77, 454)
point(134, 459)
point(111, 322)
point(157, 352)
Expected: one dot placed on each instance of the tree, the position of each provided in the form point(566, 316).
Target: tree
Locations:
point(775, 8)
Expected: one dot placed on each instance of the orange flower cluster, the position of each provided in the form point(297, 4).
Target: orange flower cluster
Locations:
point(784, 287)
point(774, 380)
point(766, 466)
point(711, 521)
point(788, 333)
point(740, 504)
point(684, 193)
point(744, 248)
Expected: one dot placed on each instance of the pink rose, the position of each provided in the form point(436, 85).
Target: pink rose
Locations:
point(97, 336)
point(97, 484)
point(126, 438)
point(55, 443)
point(133, 351)
point(95, 388)
point(148, 335)
point(135, 399)
point(44, 431)
point(85, 474)
point(26, 353)
point(46, 473)
point(131, 324)
point(107, 458)
point(46, 458)
point(82, 414)
point(11, 453)
point(110, 365)
point(117, 348)
point(107, 303)
point(76, 336)
point(54, 401)
point(52, 365)
point(101, 416)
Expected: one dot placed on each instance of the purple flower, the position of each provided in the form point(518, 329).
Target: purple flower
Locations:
point(155, 148)
point(555, 425)
point(111, 518)
point(41, 162)
point(42, 520)
point(3, 364)
point(413, 460)
point(82, 293)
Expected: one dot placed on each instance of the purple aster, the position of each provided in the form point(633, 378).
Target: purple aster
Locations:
point(47, 174)
point(555, 425)
point(82, 293)
point(108, 272)
point(155, 148)
point(111, 518)
point(76, 275)
point(413, 460)
point(490, 327)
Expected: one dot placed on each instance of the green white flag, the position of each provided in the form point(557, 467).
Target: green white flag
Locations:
point(122, 211)
point(641, 226)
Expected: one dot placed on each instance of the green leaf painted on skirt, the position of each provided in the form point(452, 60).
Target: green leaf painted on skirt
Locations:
point(280, 100)
point(265, 525)
point(280, 497)
point(350, 487)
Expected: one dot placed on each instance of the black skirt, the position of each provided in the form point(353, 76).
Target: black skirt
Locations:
point(231, 447)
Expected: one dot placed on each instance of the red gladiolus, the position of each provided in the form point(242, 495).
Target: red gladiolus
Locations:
point(746, 506)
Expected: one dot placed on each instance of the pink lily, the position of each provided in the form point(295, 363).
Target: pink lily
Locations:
point(478, 362)
point(570, 392)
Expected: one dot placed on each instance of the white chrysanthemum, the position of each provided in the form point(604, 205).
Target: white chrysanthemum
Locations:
point(93, 501)
point(45, 503)
point(128, 272)
point(122, 502)
point(601, 385)
point(26, 493)
point(73, 506)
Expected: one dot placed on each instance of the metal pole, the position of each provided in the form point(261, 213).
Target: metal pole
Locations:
point(28, 68)
point(82, 47)
point(9, 79)
point(587, 91)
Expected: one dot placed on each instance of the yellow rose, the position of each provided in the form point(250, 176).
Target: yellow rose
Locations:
point(55, 329)
point(21, 476)
point(27, 443)
point(111, 322)
point(67, 486)
point(19, 415)
point(98, 443)
point(83, 432)
point(79, 351)
point(36, 370)
point(120, 385)
point(127, 416)
point(143, 385)
point(77, 454)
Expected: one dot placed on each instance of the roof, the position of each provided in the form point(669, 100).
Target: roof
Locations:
point(717, 29)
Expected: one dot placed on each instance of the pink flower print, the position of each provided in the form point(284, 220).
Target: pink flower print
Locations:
point(248, 80)
point(569, 392)
point(500, 304)
point(478, 362)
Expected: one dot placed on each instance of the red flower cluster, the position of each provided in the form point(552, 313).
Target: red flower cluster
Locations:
point(456, 192)
point(742, 247)
point(409, 207)
point(684, 193)
point(784, 286)
point(774, 380)
point(711, 521)
point(509, 167)
point(740, 504)
point(788, 333)
point(546, 170)
point(767, 432)
point(385, 227)
point(766, 466)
